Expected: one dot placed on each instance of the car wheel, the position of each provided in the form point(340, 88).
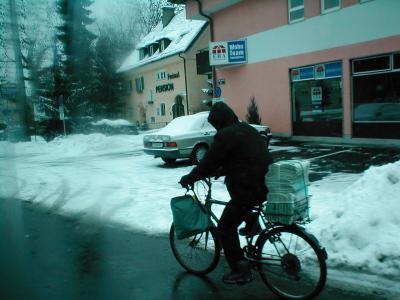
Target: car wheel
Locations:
point(198, 153)
point(169, 161)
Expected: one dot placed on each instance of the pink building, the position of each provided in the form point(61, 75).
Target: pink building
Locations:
point(318, 69)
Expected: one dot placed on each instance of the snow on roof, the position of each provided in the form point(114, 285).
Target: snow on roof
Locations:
point(180, 31)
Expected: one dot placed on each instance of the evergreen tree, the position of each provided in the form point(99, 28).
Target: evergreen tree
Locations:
point(108, 87)
point(253, 116)
point(77, 78)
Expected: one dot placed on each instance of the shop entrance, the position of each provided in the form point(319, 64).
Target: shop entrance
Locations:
point(317, 100)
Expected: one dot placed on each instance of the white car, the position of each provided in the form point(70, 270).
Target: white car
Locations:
point(187, 137)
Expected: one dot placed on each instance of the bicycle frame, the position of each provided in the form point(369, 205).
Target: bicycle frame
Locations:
point(280, 253)
point(209, 201)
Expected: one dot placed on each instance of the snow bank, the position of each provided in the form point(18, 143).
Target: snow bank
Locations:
point(360, 224)
point(355, 216)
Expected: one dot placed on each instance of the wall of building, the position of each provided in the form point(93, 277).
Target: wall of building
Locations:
point(354, 31)
point(149, 100)
point(269, 82)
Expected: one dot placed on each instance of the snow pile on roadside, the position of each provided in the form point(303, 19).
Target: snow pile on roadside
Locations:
point(76, 145)
point(96, 143)
point(360, 225)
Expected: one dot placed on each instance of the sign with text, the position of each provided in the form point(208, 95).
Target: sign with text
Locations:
point(228, 52)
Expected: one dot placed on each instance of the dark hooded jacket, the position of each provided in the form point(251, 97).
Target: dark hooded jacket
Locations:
point(238, 149)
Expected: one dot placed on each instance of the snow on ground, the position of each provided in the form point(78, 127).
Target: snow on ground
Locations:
point(355, 216)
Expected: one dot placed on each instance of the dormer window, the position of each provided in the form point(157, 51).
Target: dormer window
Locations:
point(153, 48)
point(164, 43)
point(143, 52)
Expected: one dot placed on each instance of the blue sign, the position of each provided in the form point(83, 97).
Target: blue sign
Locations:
point(237, 52)
point(217, 92)
point(307, 73)
point(333, 69)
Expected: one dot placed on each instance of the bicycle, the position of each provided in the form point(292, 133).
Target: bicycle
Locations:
point(290, 260)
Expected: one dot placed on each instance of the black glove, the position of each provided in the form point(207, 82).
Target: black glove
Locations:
point(186, 181)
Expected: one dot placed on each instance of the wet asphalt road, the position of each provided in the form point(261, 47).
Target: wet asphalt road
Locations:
point(349, 159)
point(47, 256)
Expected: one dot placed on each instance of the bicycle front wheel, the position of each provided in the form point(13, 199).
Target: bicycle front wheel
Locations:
point(198, 254)
point(292, 263)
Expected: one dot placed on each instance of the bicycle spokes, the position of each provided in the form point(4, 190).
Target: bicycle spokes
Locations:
point(291, 264)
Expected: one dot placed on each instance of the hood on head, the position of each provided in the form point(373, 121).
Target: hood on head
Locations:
point(221, 116)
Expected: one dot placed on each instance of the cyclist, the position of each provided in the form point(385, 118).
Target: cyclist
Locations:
point(242, 154)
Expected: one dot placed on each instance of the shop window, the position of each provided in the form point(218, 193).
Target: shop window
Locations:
point(139, 82)
point(396, 61)
point(373, 64)
point(329, 5)
point(376, 98)
point(296, 10)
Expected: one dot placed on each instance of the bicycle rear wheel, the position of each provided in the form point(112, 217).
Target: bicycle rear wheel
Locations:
point(292, 264)
point(198, 254)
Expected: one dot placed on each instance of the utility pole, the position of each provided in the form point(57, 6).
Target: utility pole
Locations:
point(19, 78)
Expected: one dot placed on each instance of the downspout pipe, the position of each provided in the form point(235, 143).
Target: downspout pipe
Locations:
point(211, 22)
point(186, 85)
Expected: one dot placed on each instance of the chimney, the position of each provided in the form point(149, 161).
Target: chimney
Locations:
point(168, 12)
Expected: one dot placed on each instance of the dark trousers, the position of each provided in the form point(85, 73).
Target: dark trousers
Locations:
point(236, 211)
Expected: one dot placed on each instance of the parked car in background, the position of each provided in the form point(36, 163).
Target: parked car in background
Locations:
point(187, 137)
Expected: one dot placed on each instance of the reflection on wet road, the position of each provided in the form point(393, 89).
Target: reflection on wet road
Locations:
point(46, 256)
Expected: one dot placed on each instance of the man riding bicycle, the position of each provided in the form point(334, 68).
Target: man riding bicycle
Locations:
point(241, 152)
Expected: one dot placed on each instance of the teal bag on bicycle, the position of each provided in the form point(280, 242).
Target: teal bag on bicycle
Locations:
point(189, 217)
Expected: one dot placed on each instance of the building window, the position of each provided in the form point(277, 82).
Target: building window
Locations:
point(152, 120)
point(329, 5)
point(160, 75)
point(153, 49)
point(373, 64)
point(162, 109)
point(317, 108)
point(143, 52)
point(396, 61)
point(296, 10)
point(139, 82)
point(164, 43)
point(376, 89)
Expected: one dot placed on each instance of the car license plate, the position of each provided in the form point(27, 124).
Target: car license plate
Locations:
point(157, 145)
